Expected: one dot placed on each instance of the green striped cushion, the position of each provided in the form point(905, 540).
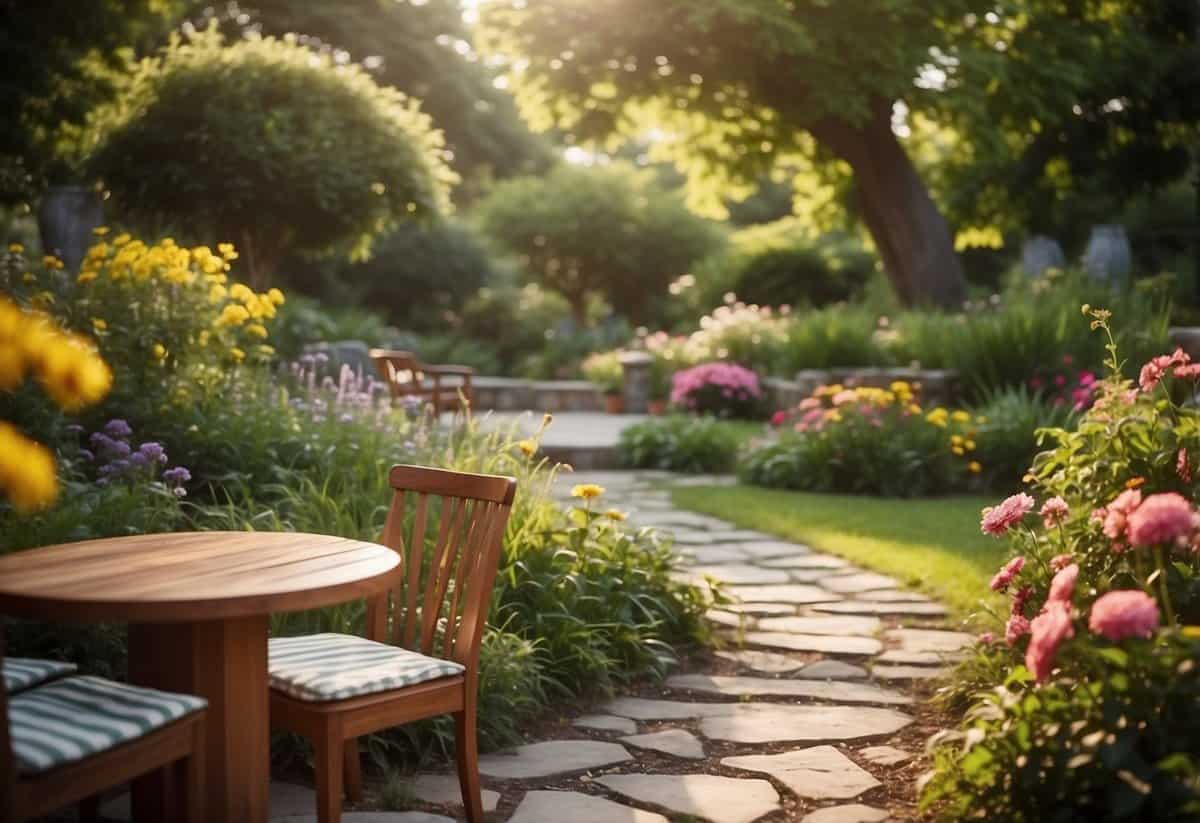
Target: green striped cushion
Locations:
point(22, 672)
point(68, 720)
point(336, 666)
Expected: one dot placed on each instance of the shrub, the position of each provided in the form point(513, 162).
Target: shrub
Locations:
point(721, 389)
point(1010, 420)
point(751, 336)
point(226, 142)
point(836, 337)
point(867, 441)
point(1095, 714)
point(304, 320)
point(605, 231)
point(604, 371)
point(681, 444)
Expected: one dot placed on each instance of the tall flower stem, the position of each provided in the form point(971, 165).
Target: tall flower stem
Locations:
point(1163, 587)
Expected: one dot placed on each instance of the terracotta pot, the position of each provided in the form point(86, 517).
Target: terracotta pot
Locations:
point(657, 407)
point(614, 403)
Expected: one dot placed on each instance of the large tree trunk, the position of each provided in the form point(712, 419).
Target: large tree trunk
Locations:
point(911, 234)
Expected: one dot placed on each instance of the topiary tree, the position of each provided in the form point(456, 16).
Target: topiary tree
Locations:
point(606, 231)
point(269, 145)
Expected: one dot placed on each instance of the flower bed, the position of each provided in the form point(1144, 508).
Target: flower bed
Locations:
point(1086, 708)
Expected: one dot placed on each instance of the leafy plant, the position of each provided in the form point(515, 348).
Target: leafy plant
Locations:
point(680, 443)
point(604, 371)
point(1010, 421)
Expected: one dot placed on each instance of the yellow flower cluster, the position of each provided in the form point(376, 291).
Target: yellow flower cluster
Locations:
point(587, 491)
point(67, 366)
point(27, 475)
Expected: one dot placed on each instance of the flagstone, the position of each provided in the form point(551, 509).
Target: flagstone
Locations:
point(675, 742)
point(642, 708)
point(443, 789)
point(903, 658)
point(885, 755)
point(805, 561)
point(739, 535)
point(766, 662)
point(551, 757)
point(818, 773)
point(737, 686)
point(605, 723)
point(908, 673)
point(855, 583)
point(556, 807)
point(929, 640)
point(832, 670)
point(760, 609)
point(843, 644)
point(821, 625)
point(775, 723)
point(772, 548)
point(742, 573)
point(729, 619)
point(790, 593)
point(713, 554)
point(897, 609)
point(852, 813)
point(704, 796)
point(896, 596)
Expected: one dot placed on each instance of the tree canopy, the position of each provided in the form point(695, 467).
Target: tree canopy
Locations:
point(268, 145)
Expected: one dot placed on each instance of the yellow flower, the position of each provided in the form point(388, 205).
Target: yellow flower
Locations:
point(981, 419)
point(159, 351)
point(527, 447)
point(960, 416)
point(275, 296)
point(100, 231)
point(257, 330)
point(240, 291)
point(900, 387)
point(12, 367)
point(216, 293)
point(1028, 478)
point(233, 315)
point(27, 474)
point(98, 324)
point(52, 262)
point(616, 515)
point(227, 251)
point(237, 354)
point(1084, 309)
point(958, 450)
point(28, 277)
point(974, 468)
point(938, 417)
point(956, 440)
point(204, 337)
point(969, 445)
point(16, 248)
point(587, 491)
point(121, 239)
point(266, 351)
point(833, 416)
point(913, 408)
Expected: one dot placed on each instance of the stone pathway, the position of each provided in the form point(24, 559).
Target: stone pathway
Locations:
point(807, 712)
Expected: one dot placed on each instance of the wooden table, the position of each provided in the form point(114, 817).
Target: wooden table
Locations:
point(197, 604)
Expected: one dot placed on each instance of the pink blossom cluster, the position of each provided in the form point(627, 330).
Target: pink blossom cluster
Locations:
point(1159, 519)
point(1079, 391)
point(997, 520)
point(1154, 371)
point(1124, 613)
point(732, 381)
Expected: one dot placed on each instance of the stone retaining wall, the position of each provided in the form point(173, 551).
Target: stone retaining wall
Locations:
point(514, 394)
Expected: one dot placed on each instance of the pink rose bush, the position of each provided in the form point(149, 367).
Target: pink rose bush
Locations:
point(1099, 672)
point(723, 389)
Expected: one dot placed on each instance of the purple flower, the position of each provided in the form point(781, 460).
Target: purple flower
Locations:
point(153, 452)
point(139, 460)
point(177, 476)
point(117, 428)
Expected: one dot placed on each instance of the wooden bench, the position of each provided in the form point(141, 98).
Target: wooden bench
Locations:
point(445, 388)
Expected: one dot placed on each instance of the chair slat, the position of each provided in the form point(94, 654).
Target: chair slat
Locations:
point(416, 554)
point(443, 556)
point(479, 514)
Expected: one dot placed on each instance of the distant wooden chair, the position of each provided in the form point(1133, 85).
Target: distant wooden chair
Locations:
point(66, 739)
point(446, 388)
point(334, 688)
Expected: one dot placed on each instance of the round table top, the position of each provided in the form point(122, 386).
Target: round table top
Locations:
point(190, 576)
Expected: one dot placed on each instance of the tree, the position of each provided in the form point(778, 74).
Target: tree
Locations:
point(267, 145)
point(423, 49)
point(742, 84)
point(606, 230)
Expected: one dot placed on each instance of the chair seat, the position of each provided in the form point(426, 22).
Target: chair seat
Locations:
point(69, 720)
point(22, 673)
point(322, 667)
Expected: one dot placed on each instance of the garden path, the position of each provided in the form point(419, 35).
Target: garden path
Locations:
point(813, 710)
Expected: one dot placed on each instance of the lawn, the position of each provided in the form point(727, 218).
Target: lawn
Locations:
point(933, 544)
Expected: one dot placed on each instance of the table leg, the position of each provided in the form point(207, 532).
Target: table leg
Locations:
point(224, 662)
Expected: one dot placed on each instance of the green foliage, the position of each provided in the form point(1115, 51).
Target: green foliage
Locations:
point(681, 444)
point(226, 142)
point(599, 231)
point(1008, 437)
point(604, 371)
point(305, 320)
point(839, 336)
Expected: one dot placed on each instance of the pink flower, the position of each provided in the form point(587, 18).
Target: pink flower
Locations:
point(1191, 372)
point(1062, 587)
point(1124, 613)
point(1004, 577)
point(998, 519)
point(1153, 371)
point(1116, 515)
point(1020, 598)
point(1061, 561)
point(1182, 467)
point(1060, 380)
point(1162, 518)
point(843, 397)
point(986, 639)
point(778, 418)
point(810, 403)
point(1016, 628)
point(1068, 360)
point(1054, 511)
point(1046, 633)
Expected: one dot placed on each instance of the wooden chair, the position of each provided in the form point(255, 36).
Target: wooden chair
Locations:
point(446, 388)
point(335, 688)
point(62, 768)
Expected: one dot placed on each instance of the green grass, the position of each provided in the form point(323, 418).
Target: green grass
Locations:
point(933, 544)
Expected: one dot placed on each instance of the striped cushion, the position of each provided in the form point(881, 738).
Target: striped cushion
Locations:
point(336, 666)
point(22, 672)
point(69, 720)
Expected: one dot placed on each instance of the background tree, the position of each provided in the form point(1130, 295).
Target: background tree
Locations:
point(605, 230)
point(263, 144)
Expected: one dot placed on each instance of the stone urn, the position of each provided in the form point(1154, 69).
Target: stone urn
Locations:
point(66, 217)
point(1039, 253)
point(1109, 257)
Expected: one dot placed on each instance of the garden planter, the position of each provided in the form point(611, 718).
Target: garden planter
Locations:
point(1108, 257)
point(66, 217)
point(614, 404)
point(657, 407)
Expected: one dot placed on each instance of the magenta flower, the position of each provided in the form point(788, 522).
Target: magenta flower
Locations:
point(1016, 628)
point(997, 520)
point(1004, 577)
point(1124, 613)
point(1054, 511)
point(778, 418)
point(1046, 633)
point(1162, 518)
point(728, 379)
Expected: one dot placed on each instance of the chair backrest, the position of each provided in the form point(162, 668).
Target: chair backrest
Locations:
point(448, 587)
point(8, 766)
point(401, 370)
